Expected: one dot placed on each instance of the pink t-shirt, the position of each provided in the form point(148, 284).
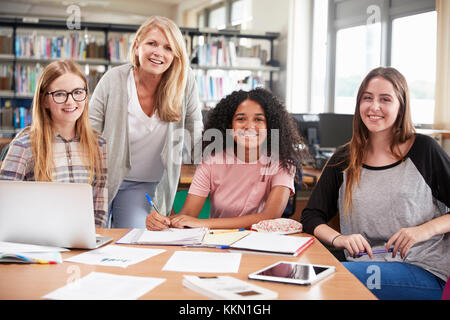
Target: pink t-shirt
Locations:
point(237, 188)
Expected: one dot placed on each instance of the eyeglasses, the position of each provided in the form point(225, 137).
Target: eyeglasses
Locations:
point(61, 96)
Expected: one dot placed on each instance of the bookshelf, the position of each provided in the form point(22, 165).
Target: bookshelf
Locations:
point(27, 45)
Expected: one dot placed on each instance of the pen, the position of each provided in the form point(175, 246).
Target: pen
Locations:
point(217, 246)
point(374, 252)
point(225, 231)
point(151, 202)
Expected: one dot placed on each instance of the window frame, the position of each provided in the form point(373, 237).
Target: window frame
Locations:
point(389, 10)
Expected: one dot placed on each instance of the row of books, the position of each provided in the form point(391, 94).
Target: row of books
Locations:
point(118, 47)
point(214, 88)
point(27, 76)
point(15, 118)
point(226, 53)
point(74, 46)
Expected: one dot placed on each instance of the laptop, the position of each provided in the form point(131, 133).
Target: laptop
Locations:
point(48, 214)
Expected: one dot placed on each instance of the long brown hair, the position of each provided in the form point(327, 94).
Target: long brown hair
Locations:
point(42, 133)
point(170, 91)
point(402, 130)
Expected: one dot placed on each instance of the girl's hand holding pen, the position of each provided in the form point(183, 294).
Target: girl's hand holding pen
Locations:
point(156, 222)
point(354, 244)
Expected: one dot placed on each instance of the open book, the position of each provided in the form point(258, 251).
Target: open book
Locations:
point(171, 236)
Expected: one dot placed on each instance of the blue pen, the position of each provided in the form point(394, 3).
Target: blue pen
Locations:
point(374, 252)
point(151, 202)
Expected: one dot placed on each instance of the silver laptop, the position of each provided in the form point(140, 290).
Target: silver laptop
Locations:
point(48, 214)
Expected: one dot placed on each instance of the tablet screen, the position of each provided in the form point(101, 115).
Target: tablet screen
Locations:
point(293, 271)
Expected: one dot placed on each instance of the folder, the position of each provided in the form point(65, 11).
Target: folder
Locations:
point(273, 244)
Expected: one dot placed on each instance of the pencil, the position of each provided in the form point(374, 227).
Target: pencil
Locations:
point(225, 231)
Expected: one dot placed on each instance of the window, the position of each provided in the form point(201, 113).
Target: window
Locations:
point(241, 12)
point(218, 18)
point(414, 55)
point(365, 34)
point(319, 55)
point(357, 52)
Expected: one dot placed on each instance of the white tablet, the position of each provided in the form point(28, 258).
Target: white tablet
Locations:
point(293, 272)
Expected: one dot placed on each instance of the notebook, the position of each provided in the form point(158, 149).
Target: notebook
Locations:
point(273, 243)
point(48, 214)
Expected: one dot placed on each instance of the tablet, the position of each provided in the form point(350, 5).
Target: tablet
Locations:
point(293, 272)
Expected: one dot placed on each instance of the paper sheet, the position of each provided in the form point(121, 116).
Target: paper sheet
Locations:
point(105, 286)
point(115, 256)
point(190, 261)
point(14, 247)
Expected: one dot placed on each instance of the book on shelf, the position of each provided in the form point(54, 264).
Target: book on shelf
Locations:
point(74, 46)
point(214, 87)
point(6, 44)
point(225, 53)
point(118, 47)
point(27, 76)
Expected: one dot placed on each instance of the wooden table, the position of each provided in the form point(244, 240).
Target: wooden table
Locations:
point(32, 281)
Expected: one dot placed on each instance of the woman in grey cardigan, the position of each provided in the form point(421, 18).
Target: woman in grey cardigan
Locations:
point(147, 110)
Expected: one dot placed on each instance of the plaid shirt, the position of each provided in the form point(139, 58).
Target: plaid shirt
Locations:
point(69, 168)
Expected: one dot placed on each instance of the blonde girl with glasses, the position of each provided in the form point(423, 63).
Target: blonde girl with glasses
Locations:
point(60, 145)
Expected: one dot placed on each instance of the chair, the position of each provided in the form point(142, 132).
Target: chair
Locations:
point(180, 198)
point(290, 207)
point(446, 291)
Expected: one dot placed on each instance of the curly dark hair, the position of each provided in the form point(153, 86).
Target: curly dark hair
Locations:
point(277, 117)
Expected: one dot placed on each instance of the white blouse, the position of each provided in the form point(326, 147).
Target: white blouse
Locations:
point(146, 136)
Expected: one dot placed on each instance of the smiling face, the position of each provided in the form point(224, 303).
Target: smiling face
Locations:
point(249, 124)
point(155, 55)
point(379, 106)
point(65, 114)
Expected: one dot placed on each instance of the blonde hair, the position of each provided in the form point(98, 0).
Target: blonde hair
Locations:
point(402, 130)
point(170, 91)
point(42, 133)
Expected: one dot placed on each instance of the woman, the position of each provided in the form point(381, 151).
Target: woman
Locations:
point(249, 179)
point(391, 187)
point(142, 109)
point(60, 145)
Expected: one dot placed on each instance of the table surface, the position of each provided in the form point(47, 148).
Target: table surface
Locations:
point(32, 281)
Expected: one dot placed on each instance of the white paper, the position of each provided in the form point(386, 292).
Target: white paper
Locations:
point(190, 261)
point(105, 286)
point(14, 247)
point(115, 256)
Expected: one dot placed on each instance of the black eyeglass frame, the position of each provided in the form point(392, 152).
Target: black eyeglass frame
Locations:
point(67, 95)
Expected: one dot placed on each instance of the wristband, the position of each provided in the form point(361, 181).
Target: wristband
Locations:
point(332, 241)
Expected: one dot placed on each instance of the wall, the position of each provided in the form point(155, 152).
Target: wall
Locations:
point(273, 16)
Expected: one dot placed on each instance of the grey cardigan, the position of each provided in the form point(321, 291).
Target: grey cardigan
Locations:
point(109, 115)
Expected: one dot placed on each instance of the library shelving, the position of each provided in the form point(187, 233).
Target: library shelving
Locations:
point(223, 61)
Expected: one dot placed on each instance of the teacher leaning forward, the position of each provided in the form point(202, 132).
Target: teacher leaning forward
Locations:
point(142, 109)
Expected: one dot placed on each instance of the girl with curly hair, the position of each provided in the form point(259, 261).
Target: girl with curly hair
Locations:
point(247, 170)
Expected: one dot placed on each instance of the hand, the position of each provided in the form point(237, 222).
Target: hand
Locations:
point(405, 238)
point(354, 244)
point(185, 221)
point(156, 222)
